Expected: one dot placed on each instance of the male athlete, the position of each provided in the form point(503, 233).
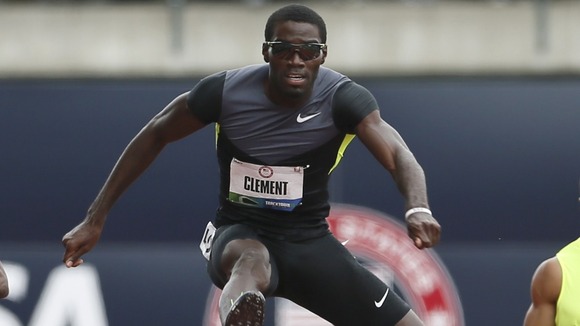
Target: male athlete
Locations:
point(281, 128)
point(555, 289)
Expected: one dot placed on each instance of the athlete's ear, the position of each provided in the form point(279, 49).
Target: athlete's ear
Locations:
point(266, 52)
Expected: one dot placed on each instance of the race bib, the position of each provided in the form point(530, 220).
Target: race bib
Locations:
point(263, 186)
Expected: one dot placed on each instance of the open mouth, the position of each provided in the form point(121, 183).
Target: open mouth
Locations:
point(295, 79)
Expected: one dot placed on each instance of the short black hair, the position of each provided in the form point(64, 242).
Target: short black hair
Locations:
point(297, 13)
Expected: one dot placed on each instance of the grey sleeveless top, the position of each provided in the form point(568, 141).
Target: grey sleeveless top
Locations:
point(254, 131)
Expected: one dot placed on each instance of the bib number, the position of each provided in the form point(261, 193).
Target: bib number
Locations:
point(206, 240)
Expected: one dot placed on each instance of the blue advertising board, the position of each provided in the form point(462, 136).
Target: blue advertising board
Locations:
point(500, 154)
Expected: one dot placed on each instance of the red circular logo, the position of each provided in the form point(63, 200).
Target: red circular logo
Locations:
point(265, 171)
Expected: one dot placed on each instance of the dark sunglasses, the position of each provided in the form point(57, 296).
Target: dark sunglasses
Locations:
point(306, 51)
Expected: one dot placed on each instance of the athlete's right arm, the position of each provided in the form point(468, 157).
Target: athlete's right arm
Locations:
point(545, 290)
point(174, 122)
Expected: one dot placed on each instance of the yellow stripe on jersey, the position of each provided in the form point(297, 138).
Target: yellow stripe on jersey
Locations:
point(217, 133)
point(345, 142)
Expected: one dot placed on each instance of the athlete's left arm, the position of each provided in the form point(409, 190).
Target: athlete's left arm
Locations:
point(389, 148)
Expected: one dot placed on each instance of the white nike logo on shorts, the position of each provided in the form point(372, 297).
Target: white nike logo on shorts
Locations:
point(380, 303)
point(301, 119)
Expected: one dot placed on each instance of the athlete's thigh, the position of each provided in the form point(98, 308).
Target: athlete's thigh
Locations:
point(225, 235)
point(329, 281)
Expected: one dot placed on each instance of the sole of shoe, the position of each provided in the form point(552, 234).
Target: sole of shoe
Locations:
point(248, 310)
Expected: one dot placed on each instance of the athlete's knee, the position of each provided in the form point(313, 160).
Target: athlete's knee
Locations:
point(243, 249)
point(252, 258)
point(246, 256)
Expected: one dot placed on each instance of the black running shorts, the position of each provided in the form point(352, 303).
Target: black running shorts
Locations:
point(320, 275)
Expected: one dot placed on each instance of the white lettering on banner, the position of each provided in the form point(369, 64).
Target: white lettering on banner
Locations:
point(18, 279)
point(71, 297)
point(7, 318)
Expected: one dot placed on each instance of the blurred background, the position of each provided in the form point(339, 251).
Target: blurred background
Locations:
point(179, 38)
point(486, 93)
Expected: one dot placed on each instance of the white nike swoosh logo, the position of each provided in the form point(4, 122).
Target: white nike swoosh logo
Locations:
point(301, 119)
point(380, 303)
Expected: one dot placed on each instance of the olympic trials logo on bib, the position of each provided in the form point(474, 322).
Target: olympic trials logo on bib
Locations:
point(265, 171)
point(382, 245)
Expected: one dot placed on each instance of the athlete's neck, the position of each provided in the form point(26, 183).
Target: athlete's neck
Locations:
point(285, 99)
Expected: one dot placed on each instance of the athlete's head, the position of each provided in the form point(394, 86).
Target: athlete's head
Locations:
point(297, 13)
point(295, 49)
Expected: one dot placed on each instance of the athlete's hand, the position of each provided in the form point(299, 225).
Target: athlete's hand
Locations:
point(78, 241)
point(423, 229)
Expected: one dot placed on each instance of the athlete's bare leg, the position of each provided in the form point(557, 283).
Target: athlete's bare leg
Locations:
point(247, 264)
point(410, 319)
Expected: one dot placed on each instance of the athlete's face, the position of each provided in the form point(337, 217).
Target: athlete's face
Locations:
point(293, 69)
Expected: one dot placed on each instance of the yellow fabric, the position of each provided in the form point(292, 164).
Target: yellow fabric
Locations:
point(217, 133)
point(568, 306)
point(347, 139)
